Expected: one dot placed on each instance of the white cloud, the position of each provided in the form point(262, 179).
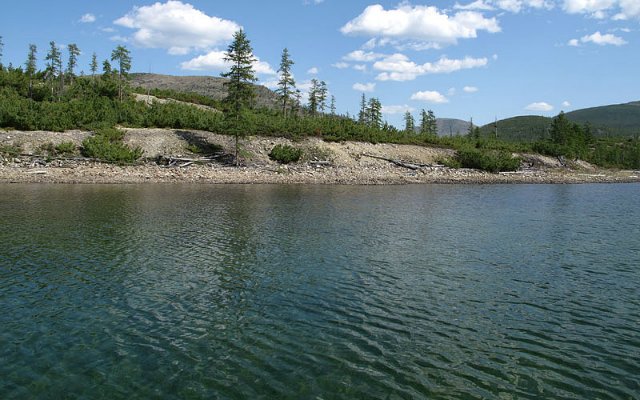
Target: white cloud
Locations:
point(399, 109)
point(364, 87)
point(398, 67)
point(621, 9)
point(360, 67)
point(574, 42)
point(470, 89)
point(341, 65)
point(430, 97)
point(313, 71)
point(214, 61)
point(603, 40)
point(362, 56)
point(177, 27)
point(540, 106)
point(88, 18)
point(428, 25)
point(566, 104)
point(451, 92)
point(514, 6)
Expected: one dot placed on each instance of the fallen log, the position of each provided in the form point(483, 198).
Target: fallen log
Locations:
point(399, 163)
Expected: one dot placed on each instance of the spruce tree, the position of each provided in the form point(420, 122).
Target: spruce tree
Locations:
point(374, 113)
point(333, 105)
point(286, 84)
point(322, 96)
point(94, 64)
point(362, 115)
point(54, 65)
point(409, 123)
point(241, 76)
point(31, 67)
point(74, 52)
point(123, 57)
point(314, 96)
point(432, 123)
point(1, 50)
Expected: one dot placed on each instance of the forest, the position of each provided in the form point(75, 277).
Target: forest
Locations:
point(58, 98)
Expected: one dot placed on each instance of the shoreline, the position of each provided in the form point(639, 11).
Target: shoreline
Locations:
point(99, 173)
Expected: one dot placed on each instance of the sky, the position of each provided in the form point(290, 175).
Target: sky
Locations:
point(466, 59)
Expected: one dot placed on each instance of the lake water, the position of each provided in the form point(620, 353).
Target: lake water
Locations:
point(320, 292)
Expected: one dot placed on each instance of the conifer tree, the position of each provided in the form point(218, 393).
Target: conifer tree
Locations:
point(333, 105)
point(314, 96)
point(374, 113)
point(31, 67)
point(1, 50)
point(106, 69)
point(286, 84)
point(409, 123)
point(94, 64)
point(362, 115)
point(241, 76)
point(74, 52)
point(322, 96)
point(54, 64)
point(122, 55)
point(428, 123)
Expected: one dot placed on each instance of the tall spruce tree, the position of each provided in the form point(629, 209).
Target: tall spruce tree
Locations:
point(409, 123)
point(333, 105)
point(322, 96)
point(74, 52)
point(94, 64)
point(1, 50)
point(286, 84)
point(362, 114)
point(374, 113)
point(314, 96)
point(241, 76)
point(31, 67)
point(123, 57)
point(54, 65)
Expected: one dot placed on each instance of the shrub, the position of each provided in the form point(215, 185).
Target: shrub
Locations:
point(65, 148)
point(488, 160)
point(284, 154)
point(107, 145)
point(10, 150)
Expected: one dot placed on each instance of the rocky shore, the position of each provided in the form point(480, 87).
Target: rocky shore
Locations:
point(348, 163)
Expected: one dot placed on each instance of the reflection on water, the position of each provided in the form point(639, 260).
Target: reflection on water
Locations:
point(319, 292)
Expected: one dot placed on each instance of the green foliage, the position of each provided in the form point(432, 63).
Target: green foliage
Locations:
point(106, 145)
point(65, 148)
point(10, 150)
point(285, 154)
point(487, 160)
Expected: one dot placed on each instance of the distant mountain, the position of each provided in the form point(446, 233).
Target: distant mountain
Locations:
point(611, 120)
point(204, 85)
point(452, 126)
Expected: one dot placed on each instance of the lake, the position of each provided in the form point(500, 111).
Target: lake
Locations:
point(320, 292)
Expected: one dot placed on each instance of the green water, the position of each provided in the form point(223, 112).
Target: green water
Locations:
point(317, 292)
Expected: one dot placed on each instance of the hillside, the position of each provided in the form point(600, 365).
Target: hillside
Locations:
point(203, 85)
point(615, 119)
point(520, 129)
point(452, 126)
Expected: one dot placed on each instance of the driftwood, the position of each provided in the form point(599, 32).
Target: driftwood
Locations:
point(399, 162)
point(182, 162)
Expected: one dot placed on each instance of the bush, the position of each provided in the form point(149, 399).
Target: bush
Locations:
point(488, 160)
point(106, 145)
point(65, 148)
point(284, 154)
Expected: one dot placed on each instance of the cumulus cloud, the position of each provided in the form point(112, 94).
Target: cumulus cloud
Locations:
point(619, 9)
point(88, 18)
point(566, 104)
point(364, 87)
point(429, 26)
point(430, 96)
point(178, 27)
point(360, 67)
point(341, 65)
point(573, 42)
point(398, 67)
point(397, 109)
point(514, 6)
point(214, 61)
point(313, 71)
point(470, 89)
point(603, 40)
point(362, 56)
point(539, 106)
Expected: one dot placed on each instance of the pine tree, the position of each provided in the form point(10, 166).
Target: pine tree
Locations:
point(123, 57)
point(31, 67)
point(362, 115)
point(54, 65)
point(106, 69)
point(374, 113)
point(94, 64)
point(409, 123)
point(322, 96)
point(1, 50)
point(432, 124)
point(313, 97)
point(241, 76)
point(74, 52)
point(333, 105)
point(286, 84)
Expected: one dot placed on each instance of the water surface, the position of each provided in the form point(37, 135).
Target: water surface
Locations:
point(320, 292)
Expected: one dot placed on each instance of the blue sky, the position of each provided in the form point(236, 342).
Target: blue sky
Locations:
point(477, 59)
